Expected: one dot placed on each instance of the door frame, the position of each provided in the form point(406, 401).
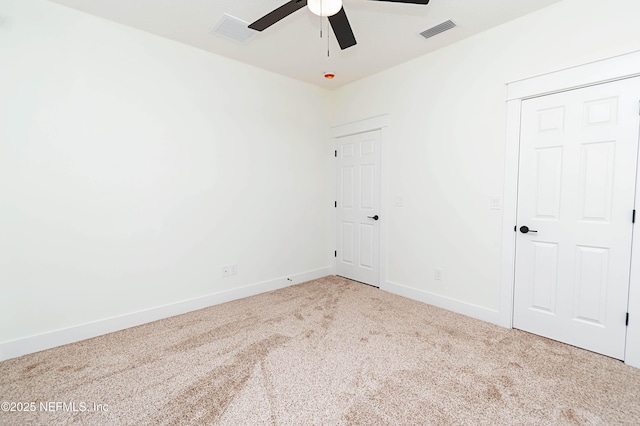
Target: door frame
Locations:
point(383, 124)
point(603, 71)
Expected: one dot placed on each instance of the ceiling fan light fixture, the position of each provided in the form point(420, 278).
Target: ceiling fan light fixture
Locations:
point(324, 7)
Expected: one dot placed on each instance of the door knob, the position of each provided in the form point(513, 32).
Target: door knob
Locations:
point(373, 217)
point(525, 229)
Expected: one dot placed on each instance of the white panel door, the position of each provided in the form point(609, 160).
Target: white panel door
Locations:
point(358, 207)
point(578, 157)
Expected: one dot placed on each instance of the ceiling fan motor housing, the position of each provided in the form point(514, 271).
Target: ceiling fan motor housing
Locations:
point(324, 7)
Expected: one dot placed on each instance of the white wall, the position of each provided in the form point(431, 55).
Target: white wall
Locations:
point(446, 151)
point(132, 168)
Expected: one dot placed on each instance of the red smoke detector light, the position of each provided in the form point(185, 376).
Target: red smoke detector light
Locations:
point(329, 75)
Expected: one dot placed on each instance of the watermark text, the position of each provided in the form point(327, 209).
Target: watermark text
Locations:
point(53, 406)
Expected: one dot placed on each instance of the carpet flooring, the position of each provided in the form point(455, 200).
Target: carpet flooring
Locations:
point(326, 352)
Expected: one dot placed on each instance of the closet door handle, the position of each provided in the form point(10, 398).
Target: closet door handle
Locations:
point(373, 217)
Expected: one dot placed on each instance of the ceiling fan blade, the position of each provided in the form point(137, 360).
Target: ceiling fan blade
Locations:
point(425, 2)
point(282, 12)
point(342, 29)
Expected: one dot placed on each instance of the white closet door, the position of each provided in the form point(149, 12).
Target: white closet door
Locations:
point(358, 207)
point(578, 158)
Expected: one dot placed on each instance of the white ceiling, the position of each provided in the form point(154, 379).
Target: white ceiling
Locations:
point(387, 33)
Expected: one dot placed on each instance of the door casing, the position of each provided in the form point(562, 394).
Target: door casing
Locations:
point(382, 123)
point(606, 70)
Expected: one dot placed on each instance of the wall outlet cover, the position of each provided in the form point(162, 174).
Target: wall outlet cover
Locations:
point(438, 274)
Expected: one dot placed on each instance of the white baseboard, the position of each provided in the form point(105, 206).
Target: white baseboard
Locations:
point(460, 307)
point(27, 345)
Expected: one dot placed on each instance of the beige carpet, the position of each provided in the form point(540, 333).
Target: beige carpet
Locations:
point(328, 352)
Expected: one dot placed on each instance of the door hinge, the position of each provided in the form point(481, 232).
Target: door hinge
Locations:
point(335, 253)
point(335, 204)
point(335, 153)
point(633, 217)
point(626, 322)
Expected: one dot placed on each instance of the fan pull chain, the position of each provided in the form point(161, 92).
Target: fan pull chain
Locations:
point(320, 18)
point(328, 44)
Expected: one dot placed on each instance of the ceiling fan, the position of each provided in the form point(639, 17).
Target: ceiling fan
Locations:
point(330, 8)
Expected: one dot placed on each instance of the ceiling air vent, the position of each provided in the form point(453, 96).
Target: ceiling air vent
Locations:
point(233, 28)
point(440, 28)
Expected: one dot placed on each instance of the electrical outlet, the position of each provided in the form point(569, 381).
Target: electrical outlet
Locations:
point(226, 271)
point(233, 269)
point(438, 275)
